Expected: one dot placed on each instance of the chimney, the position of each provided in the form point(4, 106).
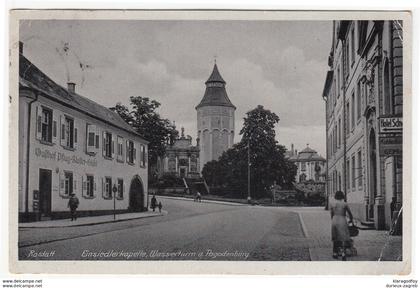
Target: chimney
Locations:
point(71, 87)
point(292, 149)
point(20, 47)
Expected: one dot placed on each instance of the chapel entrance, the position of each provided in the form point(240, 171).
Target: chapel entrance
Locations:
point(136, 195)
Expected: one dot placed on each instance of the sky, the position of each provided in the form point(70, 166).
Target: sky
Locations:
point(281, 65)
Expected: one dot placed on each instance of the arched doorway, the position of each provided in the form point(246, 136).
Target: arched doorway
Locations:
point(136, 195)
point(372, 173)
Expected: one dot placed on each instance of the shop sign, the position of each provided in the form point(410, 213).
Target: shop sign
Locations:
point(390, 145)
point(63, 157)
point(390, 125)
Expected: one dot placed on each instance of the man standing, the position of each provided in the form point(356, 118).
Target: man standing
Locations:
point(153, 203)
point(73, 204)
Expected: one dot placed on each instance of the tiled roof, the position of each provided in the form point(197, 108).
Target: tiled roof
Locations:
point(32, 77)
point(215, 95)
point(215, 76)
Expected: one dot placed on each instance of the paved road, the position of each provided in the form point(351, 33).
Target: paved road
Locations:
point(191, 230)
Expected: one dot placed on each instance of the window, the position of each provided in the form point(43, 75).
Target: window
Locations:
point(348, 174)
point(131, 152)
point(108, 188)
point(353, 174)
point(303, 166)
point(339, 132)
point(339, 181)
point(46, 125)
point(359, 100)
point(352, 110)
point(89, 185)
point(120, 188)
point(91, 139)
point(68, 133)
point(346, 59)
point(359, 168)
point(347, 124)
point(120, 151)
point(352, 51)
point(107, 144)
point(142, 155)
point(68, 183)
point(338, 82)
point(335, 138)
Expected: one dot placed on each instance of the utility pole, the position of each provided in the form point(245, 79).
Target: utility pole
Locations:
point(249, 175)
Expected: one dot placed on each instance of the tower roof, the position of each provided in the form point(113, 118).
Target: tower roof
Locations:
point(215, 76)
point(215, 94)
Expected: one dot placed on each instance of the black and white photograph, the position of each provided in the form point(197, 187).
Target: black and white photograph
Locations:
point(195, 139)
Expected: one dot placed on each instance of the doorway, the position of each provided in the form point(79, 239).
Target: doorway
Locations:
point(45, 192)
point(136, 195)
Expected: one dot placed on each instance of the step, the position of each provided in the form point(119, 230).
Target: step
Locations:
point(366, 225)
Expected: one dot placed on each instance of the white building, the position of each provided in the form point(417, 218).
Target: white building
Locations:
point(363, 93)
point(215, 119)
point(70, 144)
point(310, 165)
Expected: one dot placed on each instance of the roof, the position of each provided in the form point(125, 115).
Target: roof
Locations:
point(215, 95)
point(215, 76)
point(307, 154)
point(32, 77)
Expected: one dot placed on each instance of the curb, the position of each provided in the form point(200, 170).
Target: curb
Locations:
point(203, 201)
point(95, 223)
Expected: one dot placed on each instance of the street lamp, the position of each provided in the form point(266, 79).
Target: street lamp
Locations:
point(114, 189)
point(249, 176)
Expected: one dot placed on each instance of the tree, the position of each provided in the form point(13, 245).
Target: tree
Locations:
point(267, 162)
point(145, 120)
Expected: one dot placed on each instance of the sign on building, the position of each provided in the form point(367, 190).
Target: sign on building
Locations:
point(390, 145)
point(390, 124)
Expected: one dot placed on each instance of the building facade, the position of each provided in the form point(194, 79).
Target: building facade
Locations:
point(182, 158)
point(310, 165)
point(215, 119)
point(363, 94)
point(70, 144)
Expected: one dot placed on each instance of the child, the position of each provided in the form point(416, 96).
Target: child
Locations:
point(160, 207)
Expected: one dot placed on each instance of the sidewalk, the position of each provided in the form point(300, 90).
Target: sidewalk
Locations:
point(94, 220)
point(371, 245)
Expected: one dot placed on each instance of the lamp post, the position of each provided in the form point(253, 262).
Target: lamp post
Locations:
point(114, 189)
point(249, 176)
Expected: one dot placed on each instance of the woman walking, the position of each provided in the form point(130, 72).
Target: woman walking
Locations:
point(339, 227)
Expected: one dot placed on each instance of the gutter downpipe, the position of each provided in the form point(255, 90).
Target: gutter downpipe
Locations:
point(28, 142)
point(327, 200)
point(344, 129)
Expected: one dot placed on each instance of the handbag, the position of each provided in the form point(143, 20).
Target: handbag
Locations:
point(353, 230)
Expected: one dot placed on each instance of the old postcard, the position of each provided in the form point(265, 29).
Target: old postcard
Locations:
point(204, 142)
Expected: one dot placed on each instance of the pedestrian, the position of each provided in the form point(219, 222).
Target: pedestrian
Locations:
point(160, 207)
point(198, 196)
point(73, 204)
point(153, 203)
point(339, 227)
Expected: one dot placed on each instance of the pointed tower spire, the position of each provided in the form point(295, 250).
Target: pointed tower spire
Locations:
point(215, 75)
point(215, 94)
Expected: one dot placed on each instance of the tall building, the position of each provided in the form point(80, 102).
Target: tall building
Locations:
point(70, 144)
point(215, 119)
point(363, 94)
